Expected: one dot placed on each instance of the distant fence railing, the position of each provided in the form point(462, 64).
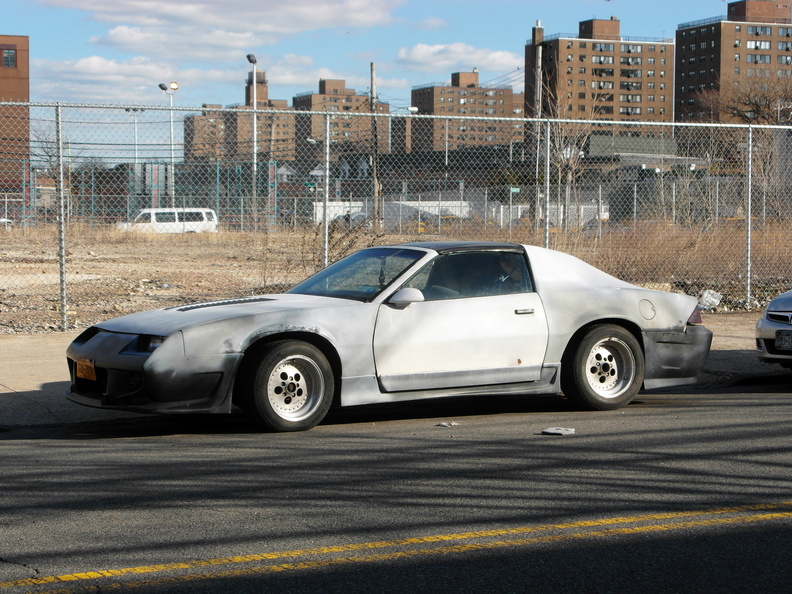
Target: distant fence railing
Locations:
point(699, 208)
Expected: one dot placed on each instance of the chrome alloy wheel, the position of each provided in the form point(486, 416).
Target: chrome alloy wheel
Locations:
point(295, 387)
point(610, 367)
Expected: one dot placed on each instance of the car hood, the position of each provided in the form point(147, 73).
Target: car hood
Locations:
point(781, 303)
point(166, 321)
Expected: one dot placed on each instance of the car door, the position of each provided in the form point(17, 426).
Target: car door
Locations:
point(474, 327)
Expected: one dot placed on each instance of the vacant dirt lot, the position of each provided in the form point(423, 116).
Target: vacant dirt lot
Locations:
point(110, 273)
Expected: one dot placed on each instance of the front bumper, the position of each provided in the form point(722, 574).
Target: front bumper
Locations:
point(120, 376)
point(675, 358)
point(766, 333)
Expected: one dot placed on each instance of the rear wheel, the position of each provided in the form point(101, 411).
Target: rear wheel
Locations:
point(291, 388)
point(604, 369)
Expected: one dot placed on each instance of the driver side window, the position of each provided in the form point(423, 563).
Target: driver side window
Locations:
point(472, 274)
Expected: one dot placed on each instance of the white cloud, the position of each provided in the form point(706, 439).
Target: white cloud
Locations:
point(456, 57)
point(99, 80)
point(295, 60)
point(179, 44)
point(191, 23)
point(432, 23)
point(202, 44)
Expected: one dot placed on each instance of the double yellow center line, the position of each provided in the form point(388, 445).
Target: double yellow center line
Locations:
point(585, 529)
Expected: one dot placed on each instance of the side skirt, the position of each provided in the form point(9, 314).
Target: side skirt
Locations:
point(357, 391)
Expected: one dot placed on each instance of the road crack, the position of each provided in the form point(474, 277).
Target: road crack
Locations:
point(20, 564)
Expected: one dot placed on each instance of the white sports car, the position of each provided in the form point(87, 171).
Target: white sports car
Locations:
point(398, 323)
point(774, 331)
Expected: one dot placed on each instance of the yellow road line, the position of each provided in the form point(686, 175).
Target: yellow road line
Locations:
point(235, 573)
point(91, 575)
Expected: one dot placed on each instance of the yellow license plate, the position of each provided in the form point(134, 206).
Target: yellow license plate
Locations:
point(86, 370)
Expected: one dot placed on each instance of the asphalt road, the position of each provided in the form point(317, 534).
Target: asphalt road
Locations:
point(683, 491)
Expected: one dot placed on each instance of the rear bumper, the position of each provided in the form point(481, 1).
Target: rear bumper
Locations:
point(675, 358)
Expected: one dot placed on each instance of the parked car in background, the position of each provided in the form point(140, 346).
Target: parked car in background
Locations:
point(774, 331)
point(393, 324)
point(172, 220)
point(6, 223)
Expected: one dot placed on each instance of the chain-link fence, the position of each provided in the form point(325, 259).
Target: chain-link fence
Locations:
point(106, 210)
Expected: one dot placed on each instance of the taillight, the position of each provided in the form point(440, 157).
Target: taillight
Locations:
point(695, 317)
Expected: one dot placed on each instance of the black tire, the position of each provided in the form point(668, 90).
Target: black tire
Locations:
point(291, 387)
point(603, 369)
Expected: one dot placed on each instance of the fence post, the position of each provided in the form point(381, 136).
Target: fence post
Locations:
point(217, 187)
point(748, 208)
point(486, 207)
point(599, 212)
point(547, 186)
point(325, 219)
point(61, 221)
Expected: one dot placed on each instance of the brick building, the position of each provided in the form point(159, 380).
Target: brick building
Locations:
point(14, 121)
point(348, 132)
point(749, 49)
point(227, 134)
point(598, 74)
point(465, 97)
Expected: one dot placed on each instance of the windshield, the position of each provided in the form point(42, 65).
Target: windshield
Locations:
point(361, 276)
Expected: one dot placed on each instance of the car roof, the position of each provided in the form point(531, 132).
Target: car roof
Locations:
point(458, 246)
point(171, 209)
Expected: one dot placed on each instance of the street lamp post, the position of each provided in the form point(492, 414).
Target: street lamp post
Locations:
point(254, 169)
point(169, 90)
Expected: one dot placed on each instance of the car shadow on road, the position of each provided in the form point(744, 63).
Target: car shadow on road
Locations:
point(47, 414)
point(728, 369)
point(96, 424)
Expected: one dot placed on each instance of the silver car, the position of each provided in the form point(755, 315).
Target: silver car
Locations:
point(774, 331)
point(394, 324)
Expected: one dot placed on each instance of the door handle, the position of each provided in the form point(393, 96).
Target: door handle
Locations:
point(524, 312)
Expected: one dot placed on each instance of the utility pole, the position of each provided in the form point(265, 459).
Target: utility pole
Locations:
point(374, 150)
point(538, 37)
point(254, 169)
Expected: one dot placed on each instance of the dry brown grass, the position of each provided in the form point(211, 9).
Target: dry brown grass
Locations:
point(110, 272)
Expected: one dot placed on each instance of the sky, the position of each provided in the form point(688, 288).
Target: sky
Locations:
point(118, 51)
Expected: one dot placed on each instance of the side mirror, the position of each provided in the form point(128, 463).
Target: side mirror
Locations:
point(404, 297)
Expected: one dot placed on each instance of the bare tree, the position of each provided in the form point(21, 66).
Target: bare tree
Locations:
point(761, 101)
point(754, 100)
point(570, 131)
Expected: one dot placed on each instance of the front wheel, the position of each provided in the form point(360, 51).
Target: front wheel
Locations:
point(291, 388)
point(604, 369)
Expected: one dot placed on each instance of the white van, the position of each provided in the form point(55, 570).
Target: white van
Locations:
point(173, 220)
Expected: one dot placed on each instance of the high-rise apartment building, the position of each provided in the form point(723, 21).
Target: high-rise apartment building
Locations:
point(14, 68)
point(348, 131)
point(747, 52)
point(465, 98)
point(14, 120)
point(227, 134)
point(598, 74)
